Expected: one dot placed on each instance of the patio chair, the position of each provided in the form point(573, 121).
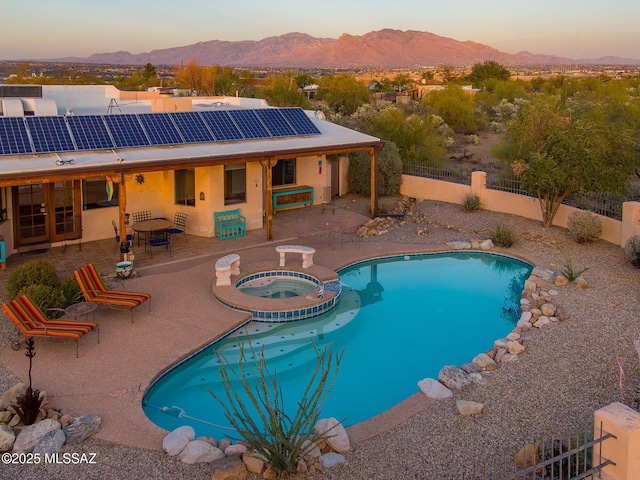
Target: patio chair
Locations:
point(141, 217)
point(179, 225)
point(115, 228)
point(32, 321)
point(95, 291)
point(159, 238)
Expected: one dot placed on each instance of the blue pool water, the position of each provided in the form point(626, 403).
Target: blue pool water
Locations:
point(400, 319)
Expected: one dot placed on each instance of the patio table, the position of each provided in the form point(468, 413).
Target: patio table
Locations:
point(81, 309)
point(147, 226)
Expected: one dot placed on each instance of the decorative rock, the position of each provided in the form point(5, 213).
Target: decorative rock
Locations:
point(210, 440)
point(528, 455)
point(500, 353)
point(486, 244)
point(310, 451)
point(176, 440)
point(553, 293)
point(9, 397)
point(269, 473)
point(14, 421)
point(302, 466)
point(530, 286)
point(7, 438)
point(470, 367)
point(5, 417)
point(199, 451)
point(500, 343)
point(224, 443)
point(52, 442)
point(515, 348)
point(514, 336)
point(548, 309)
point(561, 281)
point(542, 273)
point(227, 468)
point(65, 420)
point(434, 389)
point(235, 450)
point(337, 439)
point(82, 428)
point(453, 377)
point(467, 408)
point(330, 460)
point(477, 378)
point(31, 435)
point(484, 361)
point(581, 283)
point(253, 463)
point(542, 321)
point(508, 358)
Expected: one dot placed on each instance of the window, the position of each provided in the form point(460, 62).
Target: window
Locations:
point(185, 187)
point(94, 193)
point(284, 173)
point(3, 204)
point(235, 183)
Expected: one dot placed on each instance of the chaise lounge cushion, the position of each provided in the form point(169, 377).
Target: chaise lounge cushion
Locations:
point(95, 291)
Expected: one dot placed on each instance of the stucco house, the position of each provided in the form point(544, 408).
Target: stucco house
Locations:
point(75, 158)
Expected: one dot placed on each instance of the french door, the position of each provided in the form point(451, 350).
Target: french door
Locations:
point(47, 212)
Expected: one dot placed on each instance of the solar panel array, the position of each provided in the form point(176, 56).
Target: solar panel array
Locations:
point(45, 134)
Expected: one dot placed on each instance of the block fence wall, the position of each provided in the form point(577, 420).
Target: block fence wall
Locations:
point(613, 231)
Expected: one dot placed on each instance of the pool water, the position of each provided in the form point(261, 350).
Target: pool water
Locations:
point(277, 287)
point(401, 319)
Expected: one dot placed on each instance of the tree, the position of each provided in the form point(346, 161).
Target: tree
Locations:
point(389, 169)
point(149, 73)
point(190, 77)
point(343, 93)
point(560, 156)
point(489, 69)
point(455, 106)
point(283, 91)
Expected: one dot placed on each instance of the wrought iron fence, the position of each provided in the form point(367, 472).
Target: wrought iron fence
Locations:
point(511, 185)
point(571, 456)
point(444, 174)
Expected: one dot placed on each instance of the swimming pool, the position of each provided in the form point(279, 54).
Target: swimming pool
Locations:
point(400, 319)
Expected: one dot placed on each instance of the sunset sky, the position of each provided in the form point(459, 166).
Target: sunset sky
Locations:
point(48, 29)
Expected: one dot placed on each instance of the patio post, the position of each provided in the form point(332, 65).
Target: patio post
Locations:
point(268, 164)
point(374, 183)
point(122, 209)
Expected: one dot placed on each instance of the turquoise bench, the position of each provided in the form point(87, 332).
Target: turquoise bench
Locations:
point(229, 224)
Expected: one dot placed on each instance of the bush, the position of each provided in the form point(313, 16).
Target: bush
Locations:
point(45, 297)
point(502, 235)
point(471, 203)
point(71, 290)
point(389, 175)
point(632, 250)
point(34, 272)
point(584, 227)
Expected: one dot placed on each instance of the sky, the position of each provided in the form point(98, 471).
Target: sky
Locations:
point(48, 29)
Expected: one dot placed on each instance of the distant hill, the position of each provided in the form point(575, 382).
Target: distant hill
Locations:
point(384, 48)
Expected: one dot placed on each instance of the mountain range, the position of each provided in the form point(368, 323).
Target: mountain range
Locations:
point(383, 48)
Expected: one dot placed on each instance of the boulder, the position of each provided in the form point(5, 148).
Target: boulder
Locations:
point(199, 451)
point(470, 367)
point(31, 435)
point(515, 347)
point(484, 361)
point(581, 283)
point(434, 389)
point(7, 438)
point(5, 416)
point(228, 468)
point(527, 456)
point(9, 397)
point(235, 450)
point(330, 460)
point(176, 440)
point(52, 442)
point(477, 378)
point(486, 244)
point(253, 463)
point(224, 443)
point(82, 428)
point(453, 377)
point(336, 435)
point(500, 353)
point(548, 309)
point(269, 473)
point(524, 319)
point(543, 273)
point(530, 286)
point(467, 408)
point(310, 451)
point(561, 281)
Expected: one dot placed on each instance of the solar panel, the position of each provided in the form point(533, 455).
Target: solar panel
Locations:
point(160, 129)
point(299, 121)
point(275, 122)
point(126, 130)
point(192, 127)
point(50, 134)
point(14, 138)
point(249, 124)
point(89, 132)
point(221, 125)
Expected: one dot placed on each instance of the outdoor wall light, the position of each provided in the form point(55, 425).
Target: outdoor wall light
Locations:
point(64, 162)
point(202, 196)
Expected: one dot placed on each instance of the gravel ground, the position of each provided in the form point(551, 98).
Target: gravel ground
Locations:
point(569, 368)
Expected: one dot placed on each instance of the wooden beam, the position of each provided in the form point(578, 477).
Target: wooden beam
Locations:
point(268, 165)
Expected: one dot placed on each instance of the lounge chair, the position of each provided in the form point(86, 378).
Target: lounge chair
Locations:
point(32, 321)
point(94, 291)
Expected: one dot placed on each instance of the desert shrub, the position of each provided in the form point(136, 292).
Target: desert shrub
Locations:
point(45, 297)
point(584, 227)
point(71, 290)
point(34, 272)
point(471, 203)
point(502, 235)
point(632, 250)
point(389, 175)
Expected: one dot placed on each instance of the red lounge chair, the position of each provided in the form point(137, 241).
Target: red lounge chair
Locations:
point(94, 291)
point(32, 321)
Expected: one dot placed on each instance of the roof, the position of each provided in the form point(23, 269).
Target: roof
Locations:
point(16, 169)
